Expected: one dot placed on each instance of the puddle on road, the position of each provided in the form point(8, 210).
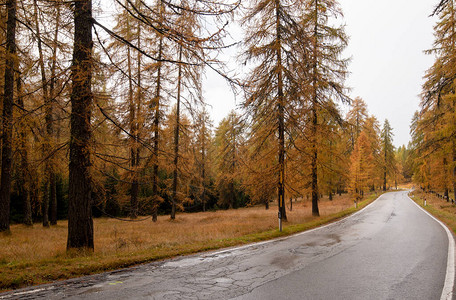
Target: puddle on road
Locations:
point(324, 241)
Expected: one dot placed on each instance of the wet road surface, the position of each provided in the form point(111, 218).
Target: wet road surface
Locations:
point(389, 250)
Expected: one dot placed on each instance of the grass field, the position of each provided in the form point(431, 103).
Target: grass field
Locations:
point(34, 255)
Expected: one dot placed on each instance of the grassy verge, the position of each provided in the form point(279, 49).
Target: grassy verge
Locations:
point(438, 207)
point(36, 255)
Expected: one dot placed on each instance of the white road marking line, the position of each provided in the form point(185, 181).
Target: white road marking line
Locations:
point(447, 292)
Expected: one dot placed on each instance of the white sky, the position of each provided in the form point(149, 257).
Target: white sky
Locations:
point(387, 40)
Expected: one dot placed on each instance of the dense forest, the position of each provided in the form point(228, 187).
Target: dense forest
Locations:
point(105, 115)
point(431, 155)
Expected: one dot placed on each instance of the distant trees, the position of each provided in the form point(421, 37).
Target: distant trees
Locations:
point(122, 128)
point(228, 140)
point(387, 154)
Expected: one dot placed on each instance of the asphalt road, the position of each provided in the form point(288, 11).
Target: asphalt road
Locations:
point(389, 250)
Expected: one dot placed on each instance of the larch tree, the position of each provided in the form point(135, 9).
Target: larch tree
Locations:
point(228, 138)
point(23, 182)
point(188, 80)
point(275, 47)
point(372, 129)
point(327, 71)
point(387, 154)
point(202, 127)
point(260, 165)
point(128, 65)
point(362, 161)
point(356, 117)
point(7, 117)
point(437, 121)
point(80, 223)
point(48, 93)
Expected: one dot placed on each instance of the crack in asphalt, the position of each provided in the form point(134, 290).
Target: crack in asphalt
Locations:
point(224, 274)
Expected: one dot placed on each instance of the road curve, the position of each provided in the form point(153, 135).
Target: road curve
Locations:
point(390, 250)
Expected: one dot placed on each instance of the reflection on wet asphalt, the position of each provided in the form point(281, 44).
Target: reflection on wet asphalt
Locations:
point(390, 250)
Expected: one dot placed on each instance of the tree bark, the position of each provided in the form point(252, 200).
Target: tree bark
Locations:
point(281, 118)
point(133, 130)
point(314, 176)
point(8, 98)
point(454, 171)
point(52, 182)
point(156, 108)
point(233, 163)
point(176, 138)
point(80, 223)
point(203, 163)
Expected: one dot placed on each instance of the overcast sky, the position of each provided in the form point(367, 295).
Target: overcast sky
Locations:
point(387, 40)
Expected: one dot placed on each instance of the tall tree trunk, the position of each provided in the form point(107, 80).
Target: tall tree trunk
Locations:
point(176, 138)
point(156, 108)
point(384, 179)
point(52, 176)
point(233, 163)
point(48, 167)
point(24, 180)
point(80, 223)
point(8, 98)
point(137, 152)
point(314, 176)
point(132, 110)
point(281, 117)
point(203, 164)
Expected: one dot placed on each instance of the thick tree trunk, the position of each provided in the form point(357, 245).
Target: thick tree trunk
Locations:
point(80, 223)
point(8, 98)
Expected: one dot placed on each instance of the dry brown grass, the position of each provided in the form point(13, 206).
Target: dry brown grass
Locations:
point(36, 255)
point(440, 208)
